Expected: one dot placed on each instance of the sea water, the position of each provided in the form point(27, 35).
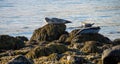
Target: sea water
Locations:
point(22, 17)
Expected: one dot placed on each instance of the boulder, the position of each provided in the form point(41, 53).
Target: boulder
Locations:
point(87, 37)
point(49, 32)
point(9, 42)
point(111, 55)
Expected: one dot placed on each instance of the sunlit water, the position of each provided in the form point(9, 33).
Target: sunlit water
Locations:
point(22, 17)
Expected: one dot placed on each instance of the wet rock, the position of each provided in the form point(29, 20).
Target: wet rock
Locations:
point(20, 60)
point(47, 50)
point(90, 47)
point(49, 32)
point(111, 55)
point(9, 42)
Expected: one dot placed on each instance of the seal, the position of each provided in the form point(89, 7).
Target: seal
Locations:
point(56, 21)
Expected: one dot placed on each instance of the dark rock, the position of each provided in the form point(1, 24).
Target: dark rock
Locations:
point(9, 42)
point(23, 38)
point(30, 43)
point(20, 60)
point(49, 32)
point(111, 55)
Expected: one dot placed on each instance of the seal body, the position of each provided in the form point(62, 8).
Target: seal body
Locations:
point(56, 21)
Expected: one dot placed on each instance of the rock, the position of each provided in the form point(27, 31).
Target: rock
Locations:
point(20, 60)
point(111, 55)
point(116, 41)
point(76, 45)
point(23, 38)
point(57, 48)
point(106, 46)
point(87, 37)
point(38, 52)
point(69, 59)
point(90, 47)
point(49, 32)
point(63, 38)
point(9, 42)
point(53, 57)
point(72, 35)
point(47, 50)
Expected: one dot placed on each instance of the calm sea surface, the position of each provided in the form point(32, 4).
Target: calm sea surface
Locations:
point(22, 17)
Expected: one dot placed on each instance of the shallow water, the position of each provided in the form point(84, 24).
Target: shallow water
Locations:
point(22, 17)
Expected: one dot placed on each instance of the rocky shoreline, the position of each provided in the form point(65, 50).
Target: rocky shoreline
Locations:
point(51, 44)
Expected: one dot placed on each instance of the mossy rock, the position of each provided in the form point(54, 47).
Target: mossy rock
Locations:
point(38, 52)
point(72, 34)
point(49, 32)
point(57, 48)
point(90, 47)
point(87, 37)
point(9, 42)
point(47, 50)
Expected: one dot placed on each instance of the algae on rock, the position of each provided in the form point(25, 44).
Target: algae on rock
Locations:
point(47, 50)
point(49, 32)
